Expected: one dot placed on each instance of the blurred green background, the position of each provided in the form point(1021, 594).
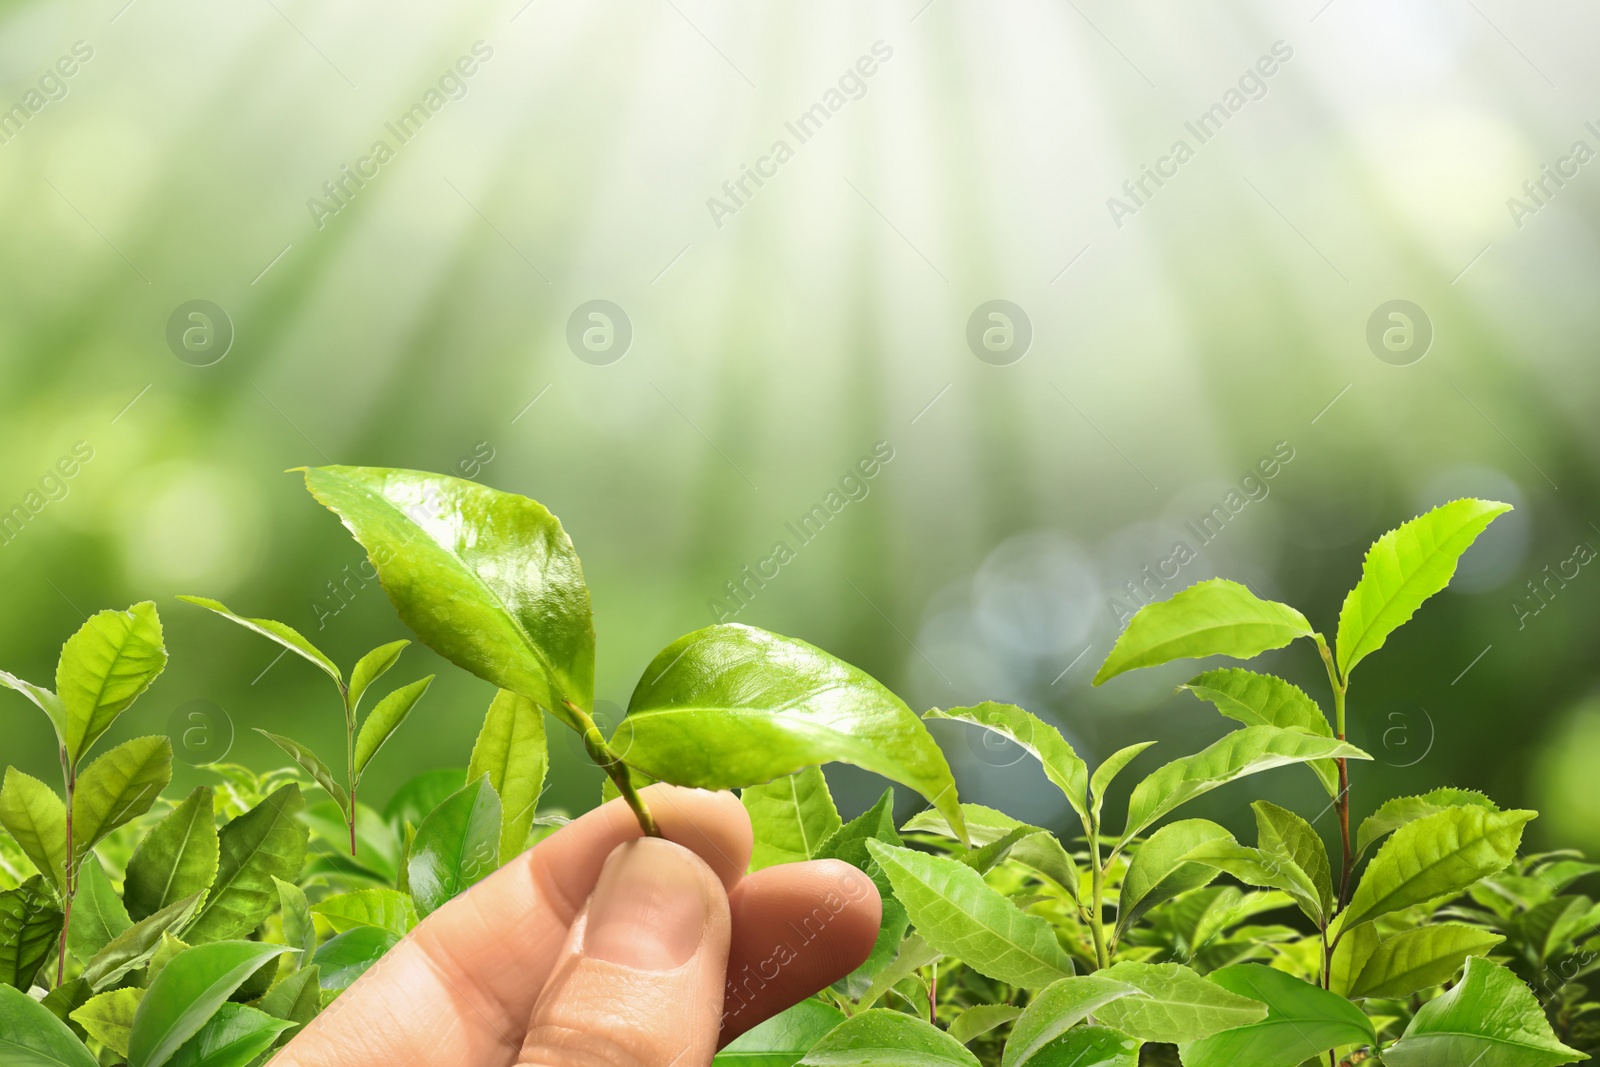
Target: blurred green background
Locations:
point(936, 156)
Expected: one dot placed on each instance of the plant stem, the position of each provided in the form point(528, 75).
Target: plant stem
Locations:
point(1341, 802)
point(350, 763)
point(1097, 928)
point(933, 996)
point(615, 769)
point(69, 872)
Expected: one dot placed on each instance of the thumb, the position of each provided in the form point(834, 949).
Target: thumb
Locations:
point(640, 982)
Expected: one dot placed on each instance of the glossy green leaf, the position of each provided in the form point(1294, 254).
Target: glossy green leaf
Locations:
point(1266, 700)
point(513, 751)
point(957, 913)
point(135, 946)
point(1418, 959)
point(1158, 872)
point(347, 956)
point(1402, 569)
point(265, 842)
point(384, 719)
point(488, 580)
point(1488, 1019)
point(1066, 771)
point(421, 794)
point(166, 951)
point(457, 845)
point(1249, 750)
point(118, 787)
point(187, 992)
point(1280, 832)
point(43, 699)
point(1211, 618)
point(384, 908)
point(32, 1037)
point(732, 706)
point(294, 913)
point(97, 912)
point(980, 1019)
point(1107, 772)
point(1177, 1005)
point(36, 819)
point(1435, 856)
point(1252, 866)
point(177, 859)
point(791, 817)
point(103, 669)
point(781, 1040)
point(313, 765)
point(1397, 811)
point(1302, 1022)
point(297, 999)
point(370, 668)
point(30, 924)
point(1090, 1046)
point(281, 633)
point(108, 1017)
point(232, 1037)
point(881, 1037)
point(1057, 1009)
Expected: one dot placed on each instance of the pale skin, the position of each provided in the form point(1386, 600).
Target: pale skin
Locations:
point(603, 948)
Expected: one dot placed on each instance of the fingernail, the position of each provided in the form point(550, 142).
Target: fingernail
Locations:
point(649, 909)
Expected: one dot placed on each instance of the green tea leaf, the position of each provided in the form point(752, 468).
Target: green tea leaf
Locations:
point(232, 1037)
point(36, 819)
point(1090, 1046)
point(1439, 855)
point(1044, 742)
point(887, 1037)
point(108, 1017)
point(1397, 811)
point(1280, 832)
point(138, 944)
point(420, 795)
point(782, 1039)
point(187, 992)
point(313, 766)
point(43, 699)
point(384, 908)
point(30, 922)
point(1178, 1004)
point(103, 669)
point(299, 931)
point(457, 845)
point(1417, 959)
point(371, 667)
point(97, 914)
point(1266, 700)
point(958, 914)
point(265, 842)
point(281, 633)
point(1211, 618)
point(1040, 853)
point(513, 751)
point(911, 954)
point(849, 843)
point(1302, 1022)
point(296, 999)
point(383, 720)
point(175, 860)
point(1488, 1019)
point(1058, 1008)
point(791, 816)
point(1249, 750)
point(32, 1037)
point(1108, 771)
point(118, 787)
point(344, 958)
point(1252, 866)
point(1158, 871)
point(488, 580)
point(732, 706)
point(167, 950)
point(980, 1019)
point(377, 847)
point(67, 998)
point(1403, 568)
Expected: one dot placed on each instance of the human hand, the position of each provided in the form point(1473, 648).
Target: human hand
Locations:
point(602, 948)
